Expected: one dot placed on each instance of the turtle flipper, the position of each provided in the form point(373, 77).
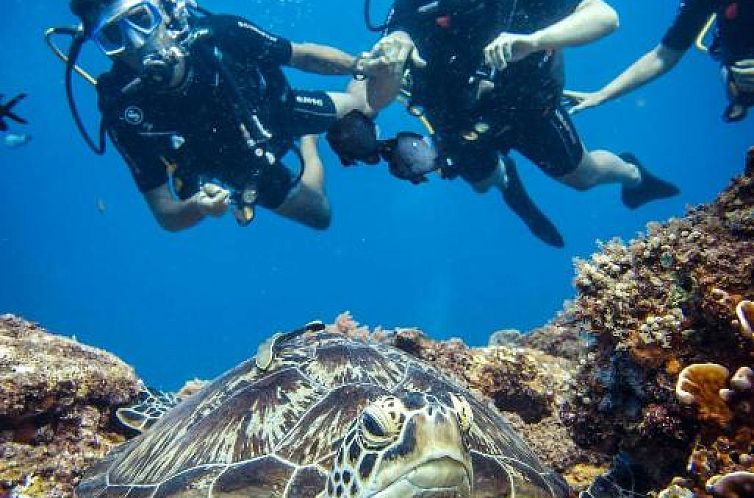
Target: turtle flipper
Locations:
point(150, 405)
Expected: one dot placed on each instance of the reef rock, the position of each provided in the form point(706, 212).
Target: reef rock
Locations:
point(650, 309)
point(56, 397)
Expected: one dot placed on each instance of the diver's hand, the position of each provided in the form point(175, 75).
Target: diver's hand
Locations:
point(510, 47)
point(212, 200)
point(390, 55)
point(581, 101)
point(743, 74)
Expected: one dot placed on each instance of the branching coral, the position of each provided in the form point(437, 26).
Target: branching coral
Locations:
point(700, 384)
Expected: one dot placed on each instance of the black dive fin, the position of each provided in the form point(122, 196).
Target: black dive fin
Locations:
point(518, 200)
point(650, 189)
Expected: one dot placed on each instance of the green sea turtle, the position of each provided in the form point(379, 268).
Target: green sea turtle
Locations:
point(321, 415)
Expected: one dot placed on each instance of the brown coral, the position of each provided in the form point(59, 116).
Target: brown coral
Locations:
point(55, 408)
point(700, 385)
point(661, 301)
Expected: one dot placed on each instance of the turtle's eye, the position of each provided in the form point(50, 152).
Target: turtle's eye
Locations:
point(380, 422)
point(463, 412)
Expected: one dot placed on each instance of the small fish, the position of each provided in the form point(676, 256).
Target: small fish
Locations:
point(6, 112)
point(16, 139)
point(101, 206)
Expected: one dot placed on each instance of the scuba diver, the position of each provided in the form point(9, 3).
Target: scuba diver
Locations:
point(488, 76)
point(199, 108)
point(7, 112)
point(732, 46)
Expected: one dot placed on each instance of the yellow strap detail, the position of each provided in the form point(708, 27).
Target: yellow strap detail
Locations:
point(703, 34)
point(56, 50)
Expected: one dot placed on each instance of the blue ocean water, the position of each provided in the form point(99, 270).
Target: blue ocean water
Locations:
point(81, 253)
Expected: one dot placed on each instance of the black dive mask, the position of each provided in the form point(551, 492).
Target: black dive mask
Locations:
point(354, 139)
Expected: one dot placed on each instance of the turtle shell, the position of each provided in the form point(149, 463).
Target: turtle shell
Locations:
point(274, 430)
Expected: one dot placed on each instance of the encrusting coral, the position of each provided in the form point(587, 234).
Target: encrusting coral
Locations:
point(55, 404)
point(677, 296)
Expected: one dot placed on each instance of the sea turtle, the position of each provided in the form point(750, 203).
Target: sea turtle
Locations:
point(322, 415)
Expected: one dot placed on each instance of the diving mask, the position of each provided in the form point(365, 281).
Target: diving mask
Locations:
point(123, 22)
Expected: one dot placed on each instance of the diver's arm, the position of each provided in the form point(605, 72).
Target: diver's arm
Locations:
point(591, 20)
point(175, 215)
point(650, 66)
point(321, 59)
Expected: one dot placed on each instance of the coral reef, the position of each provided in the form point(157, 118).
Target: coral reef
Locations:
point(55, 404)
point(653, 309)
point(636, 367)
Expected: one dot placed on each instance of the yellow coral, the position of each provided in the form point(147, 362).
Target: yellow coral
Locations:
point(699, 384)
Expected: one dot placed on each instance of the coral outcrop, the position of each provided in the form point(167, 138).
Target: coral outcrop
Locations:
point(655, 309)
point(55, 405)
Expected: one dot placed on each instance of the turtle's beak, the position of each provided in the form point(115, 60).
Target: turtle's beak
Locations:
point(444, 477)
point(440, 478)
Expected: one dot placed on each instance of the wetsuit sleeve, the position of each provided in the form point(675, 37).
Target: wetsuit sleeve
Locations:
point(143, 161)
point(691, 18)
point(141, 155)
point(251, 40)
point(400, 17)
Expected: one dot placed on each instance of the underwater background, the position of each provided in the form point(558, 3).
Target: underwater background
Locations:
point(81, 253)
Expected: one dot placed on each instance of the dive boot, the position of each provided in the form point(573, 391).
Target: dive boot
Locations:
point(650, 189)
point(516, 197)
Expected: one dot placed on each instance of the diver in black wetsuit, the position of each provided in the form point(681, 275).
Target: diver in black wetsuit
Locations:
point(488, 75)
point(733, 47)
point(200, 110)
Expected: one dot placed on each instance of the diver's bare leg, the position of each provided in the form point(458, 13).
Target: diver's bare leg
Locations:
point(600, 167)
point(307, 202)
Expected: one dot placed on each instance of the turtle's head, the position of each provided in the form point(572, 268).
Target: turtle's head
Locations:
point(408, 446)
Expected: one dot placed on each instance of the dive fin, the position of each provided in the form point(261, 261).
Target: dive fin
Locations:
point(650, 189)
point(518, 200)
point(150, 405)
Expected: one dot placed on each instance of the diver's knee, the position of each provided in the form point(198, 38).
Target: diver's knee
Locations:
point(577, 180)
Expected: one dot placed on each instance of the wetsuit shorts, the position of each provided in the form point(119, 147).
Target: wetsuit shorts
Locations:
point(313, 112)
point(547, 138)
